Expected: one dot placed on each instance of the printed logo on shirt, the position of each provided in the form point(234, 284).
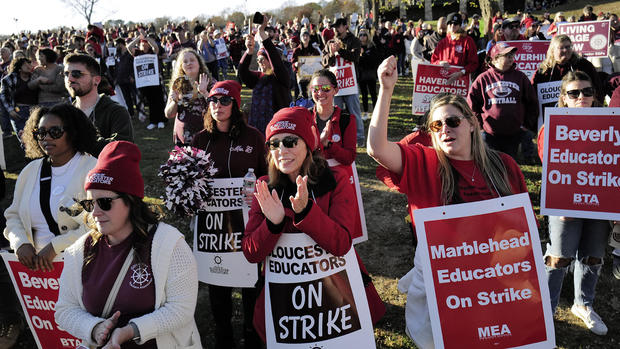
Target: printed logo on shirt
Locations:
point(283, 125)
point(100, 178)
point(501, 90)
point(141, 276)
point(459, 48)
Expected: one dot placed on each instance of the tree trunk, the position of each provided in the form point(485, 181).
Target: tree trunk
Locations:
point(463, 6)
point(488, 8)
point(402, 9)
point(428, 10)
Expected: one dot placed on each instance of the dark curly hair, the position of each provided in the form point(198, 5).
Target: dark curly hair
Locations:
point(141, 217)
point(50, 55)
point(80, 131)
point(16, 65)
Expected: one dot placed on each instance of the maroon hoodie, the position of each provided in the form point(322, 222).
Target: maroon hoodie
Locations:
point(504, 102)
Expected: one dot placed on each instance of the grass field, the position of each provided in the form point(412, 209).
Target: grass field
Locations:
point(388, 254)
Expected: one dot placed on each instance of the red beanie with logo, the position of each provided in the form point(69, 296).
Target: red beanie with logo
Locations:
point(227, 88)
point(118, 170)
point(296, 120)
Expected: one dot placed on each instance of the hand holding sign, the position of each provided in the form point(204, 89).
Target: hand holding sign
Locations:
point(388, 75)
point(102, 330)
point(27, 256)
point(269, 203)
point(452, 78)
point(300, 201)
point(46, 257)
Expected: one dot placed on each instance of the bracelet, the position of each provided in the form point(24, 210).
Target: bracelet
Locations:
point(136, 332)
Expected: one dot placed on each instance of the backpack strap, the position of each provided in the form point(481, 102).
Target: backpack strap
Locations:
point(345, 120)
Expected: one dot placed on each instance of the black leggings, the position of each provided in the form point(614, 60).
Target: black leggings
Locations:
point(154, 96)
point(368, 86)
point(221, 306)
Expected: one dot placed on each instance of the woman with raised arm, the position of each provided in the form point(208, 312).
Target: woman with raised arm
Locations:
point(457, 168)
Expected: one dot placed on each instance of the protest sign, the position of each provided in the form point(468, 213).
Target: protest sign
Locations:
point(590, 39)
point(484, 278)
point(38, 293)
point(346, 76)
point(110, 60)
point(313, 298)
point(430, 80)
point(529, 55)
point(548, 95)
point(146, 70)
point(359, 232)
point(220, 48)
point(217, 237)
point(581, 163)
point(307, 65)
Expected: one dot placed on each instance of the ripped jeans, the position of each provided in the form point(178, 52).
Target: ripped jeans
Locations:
point(579, 239)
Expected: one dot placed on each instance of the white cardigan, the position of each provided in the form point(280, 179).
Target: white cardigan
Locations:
point(18, 223)
point(176, 290)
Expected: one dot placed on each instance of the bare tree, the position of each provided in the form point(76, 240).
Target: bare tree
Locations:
point(83, 7)
point(488, 8)
point(428, 10)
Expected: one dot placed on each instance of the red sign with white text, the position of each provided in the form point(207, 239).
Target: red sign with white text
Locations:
point(590, 39)
point(484, 277)
point(581, 163)
point(430, 80)
point(529, 55)
point(38, 293)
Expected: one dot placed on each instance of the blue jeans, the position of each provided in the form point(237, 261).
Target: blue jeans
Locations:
point(579, 239)
point(353, 107)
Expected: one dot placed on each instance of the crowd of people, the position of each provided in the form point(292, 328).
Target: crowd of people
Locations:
point(71, 99)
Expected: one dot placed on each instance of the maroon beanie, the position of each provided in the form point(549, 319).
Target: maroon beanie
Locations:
point(295, 120)
point(227, 88)
point(117, 169)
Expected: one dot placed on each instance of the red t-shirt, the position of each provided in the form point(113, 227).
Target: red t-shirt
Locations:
point(421, 183)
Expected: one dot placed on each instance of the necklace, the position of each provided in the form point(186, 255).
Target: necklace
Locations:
point(472, 174)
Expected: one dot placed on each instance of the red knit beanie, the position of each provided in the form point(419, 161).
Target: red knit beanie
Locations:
point(295, 120)
point(227, 88)
point(117, 169)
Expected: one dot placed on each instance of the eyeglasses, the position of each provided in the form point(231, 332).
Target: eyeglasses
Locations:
point(288, 142)
point(574, 94)
point(224, 100)
point(452, 121)
point(104, 203)
point(74, 73)
point(55, 132)
point(325, 88)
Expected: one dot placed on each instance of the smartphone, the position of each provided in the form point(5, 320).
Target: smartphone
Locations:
point(258, 18)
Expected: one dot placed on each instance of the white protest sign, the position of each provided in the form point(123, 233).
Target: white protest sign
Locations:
point(307, 65)
point(38, 293)
point(346, 76)
point(217, 237)
point(484, 275)
point(313, 298)
point(360, 231)
point(110, 60)
point(220, 48)
point(548, 95)
point(146, 70)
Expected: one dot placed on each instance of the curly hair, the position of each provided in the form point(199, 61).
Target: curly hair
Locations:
point(178, 66)
point(141, 217)
point(16, 65)
point(81, 133)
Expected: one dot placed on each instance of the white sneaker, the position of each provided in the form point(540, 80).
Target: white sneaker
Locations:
point(593, 322)
point(365, 116)
point(151, 126)
point(161, 125)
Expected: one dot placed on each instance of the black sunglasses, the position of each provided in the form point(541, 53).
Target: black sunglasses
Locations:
point(452, 121)
point(103, 203)
point(55, 132)
point(574, 94)
point(224, 100)
point(74, 73)
point(288, 142)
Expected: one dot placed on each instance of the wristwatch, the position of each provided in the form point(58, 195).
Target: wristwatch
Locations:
point(136, 332)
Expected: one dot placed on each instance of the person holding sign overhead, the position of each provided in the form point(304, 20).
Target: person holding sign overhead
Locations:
point(301, 195)
point(578, 239)
point(234, 147)
point(132, 280)
point(458, 168)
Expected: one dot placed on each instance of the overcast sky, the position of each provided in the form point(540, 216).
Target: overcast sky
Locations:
point(44, 14)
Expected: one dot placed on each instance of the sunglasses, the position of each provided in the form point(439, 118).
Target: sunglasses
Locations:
point(325, 88)
point(224, 100)
point(287, 142)
point(104, 203)
point(514, 26)
point(451, 121)
point(574, 94)
point(74, 73)
point(55, 132)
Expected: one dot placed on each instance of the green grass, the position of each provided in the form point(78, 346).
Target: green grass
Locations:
point(388, 254)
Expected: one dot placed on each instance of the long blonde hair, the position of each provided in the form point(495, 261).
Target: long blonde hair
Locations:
point(178, 65)
point(549, 62)
point(488, 161)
